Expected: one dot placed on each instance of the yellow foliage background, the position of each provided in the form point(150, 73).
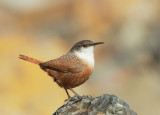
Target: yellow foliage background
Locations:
point(127, 65)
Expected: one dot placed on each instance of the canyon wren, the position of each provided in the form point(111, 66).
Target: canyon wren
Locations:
point(71, 69)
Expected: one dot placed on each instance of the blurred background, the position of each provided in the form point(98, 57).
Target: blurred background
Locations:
point(127, 65)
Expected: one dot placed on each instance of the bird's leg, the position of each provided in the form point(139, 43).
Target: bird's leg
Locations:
point(76, 93)
point(69, 97)
point(67, 94)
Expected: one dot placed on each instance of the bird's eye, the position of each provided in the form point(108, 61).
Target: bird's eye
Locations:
point(85, 45)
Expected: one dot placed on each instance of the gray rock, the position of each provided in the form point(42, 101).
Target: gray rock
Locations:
point(102, 105)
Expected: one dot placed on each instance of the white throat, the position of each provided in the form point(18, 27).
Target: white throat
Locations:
point(86, 54)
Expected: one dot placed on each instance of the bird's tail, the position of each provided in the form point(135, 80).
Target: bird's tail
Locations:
point(26, 58)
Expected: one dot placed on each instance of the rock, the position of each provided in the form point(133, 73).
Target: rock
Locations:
point(102, 105)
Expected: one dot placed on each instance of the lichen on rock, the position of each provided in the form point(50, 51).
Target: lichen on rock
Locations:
point(102, 105)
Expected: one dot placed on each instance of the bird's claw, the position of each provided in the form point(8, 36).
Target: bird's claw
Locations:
point(75, 98)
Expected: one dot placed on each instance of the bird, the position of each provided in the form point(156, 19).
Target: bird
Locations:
point(72, 69)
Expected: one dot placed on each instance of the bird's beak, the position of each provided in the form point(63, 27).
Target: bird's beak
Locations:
point(97, 43)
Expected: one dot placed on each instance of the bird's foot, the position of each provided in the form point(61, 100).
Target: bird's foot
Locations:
point(74, 99)
point(69, 99)
point(78, 97)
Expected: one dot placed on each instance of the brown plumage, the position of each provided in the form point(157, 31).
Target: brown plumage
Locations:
point(67, 71)
point(72, 69)
point(26, 58)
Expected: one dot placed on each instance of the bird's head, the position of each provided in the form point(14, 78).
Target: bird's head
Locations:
point(85, 50)
point(85, 46)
